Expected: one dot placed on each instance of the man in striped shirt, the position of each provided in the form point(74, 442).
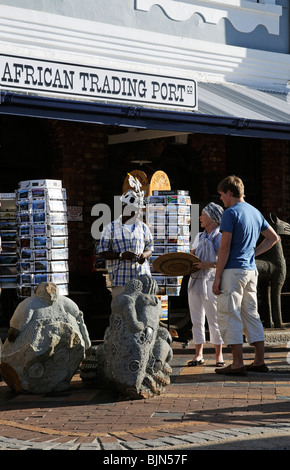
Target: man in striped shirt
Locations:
point(126, 244)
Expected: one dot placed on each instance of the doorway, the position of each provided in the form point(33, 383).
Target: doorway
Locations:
point(243, 159)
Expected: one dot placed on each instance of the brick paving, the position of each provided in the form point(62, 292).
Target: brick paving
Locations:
point(198, 407)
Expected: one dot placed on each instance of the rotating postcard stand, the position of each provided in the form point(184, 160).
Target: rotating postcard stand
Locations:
point(8, 234)
point(168, 217)
point(42, 238)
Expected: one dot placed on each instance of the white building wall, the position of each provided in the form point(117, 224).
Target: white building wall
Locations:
point(146, 36)
point(257, 24)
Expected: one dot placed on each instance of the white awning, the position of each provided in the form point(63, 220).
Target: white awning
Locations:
point(230, 100)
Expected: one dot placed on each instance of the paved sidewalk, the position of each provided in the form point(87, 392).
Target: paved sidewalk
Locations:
point(200, 410)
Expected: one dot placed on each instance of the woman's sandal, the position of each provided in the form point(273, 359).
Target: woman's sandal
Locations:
point(195, 363)
point(220, 364)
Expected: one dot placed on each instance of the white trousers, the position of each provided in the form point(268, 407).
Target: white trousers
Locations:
point(237, 307)
point(201, 308)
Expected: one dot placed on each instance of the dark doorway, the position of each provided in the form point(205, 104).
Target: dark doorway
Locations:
point(25, 151)
point(243, 159)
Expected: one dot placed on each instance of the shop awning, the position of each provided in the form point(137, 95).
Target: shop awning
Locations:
point(223, 109)
point(231, 100)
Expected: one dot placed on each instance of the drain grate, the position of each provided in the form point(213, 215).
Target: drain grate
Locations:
point(167, 414)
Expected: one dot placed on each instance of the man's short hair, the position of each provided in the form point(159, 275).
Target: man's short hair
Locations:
point(232, 183)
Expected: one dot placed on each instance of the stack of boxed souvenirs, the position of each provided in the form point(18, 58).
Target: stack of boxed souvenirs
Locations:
point(168, 217)
point(8, 232)
point(42, 238)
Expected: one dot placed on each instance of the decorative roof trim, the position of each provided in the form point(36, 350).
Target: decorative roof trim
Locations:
point(40, 35)
point(244, 15)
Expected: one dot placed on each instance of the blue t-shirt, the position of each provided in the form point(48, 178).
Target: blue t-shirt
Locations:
point(245, 223)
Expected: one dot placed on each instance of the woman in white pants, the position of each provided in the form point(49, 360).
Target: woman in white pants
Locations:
point(201, 300)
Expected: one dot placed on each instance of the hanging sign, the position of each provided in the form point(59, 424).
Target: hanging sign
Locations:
point(74, 213)
point(58, 79)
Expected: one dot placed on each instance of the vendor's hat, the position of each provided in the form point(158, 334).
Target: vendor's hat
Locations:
point(176, 264)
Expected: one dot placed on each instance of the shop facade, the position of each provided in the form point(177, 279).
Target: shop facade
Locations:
point(196, 89)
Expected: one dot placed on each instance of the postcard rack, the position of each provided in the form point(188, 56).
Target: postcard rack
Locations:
point(168, 217)
point(42, 235)
point(8, 233)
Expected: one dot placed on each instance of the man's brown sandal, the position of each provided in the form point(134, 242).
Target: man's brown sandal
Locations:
point(229, 371)
point(254, 368)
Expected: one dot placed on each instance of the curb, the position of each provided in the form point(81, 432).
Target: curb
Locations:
point(165, 443)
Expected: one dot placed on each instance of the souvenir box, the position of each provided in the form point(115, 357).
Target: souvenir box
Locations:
point(46, 183)
point(171, 192)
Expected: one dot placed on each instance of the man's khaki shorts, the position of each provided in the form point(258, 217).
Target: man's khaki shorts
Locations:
point(237, 307)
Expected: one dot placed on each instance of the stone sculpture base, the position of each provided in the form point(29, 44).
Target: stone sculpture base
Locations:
point(134, 358)
point(47, 341)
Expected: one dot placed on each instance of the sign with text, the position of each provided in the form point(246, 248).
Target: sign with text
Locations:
point(96, 84)
point(74, 213)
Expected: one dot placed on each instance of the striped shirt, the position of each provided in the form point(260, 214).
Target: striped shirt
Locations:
point(119, 238)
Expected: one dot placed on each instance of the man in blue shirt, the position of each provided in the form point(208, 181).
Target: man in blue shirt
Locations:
point(236, 276)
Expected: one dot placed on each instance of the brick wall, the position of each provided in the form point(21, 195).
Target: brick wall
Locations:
point(275, 174)
point(211, 149)
point(275, 177)
point(272, 176)
point(79, 157)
